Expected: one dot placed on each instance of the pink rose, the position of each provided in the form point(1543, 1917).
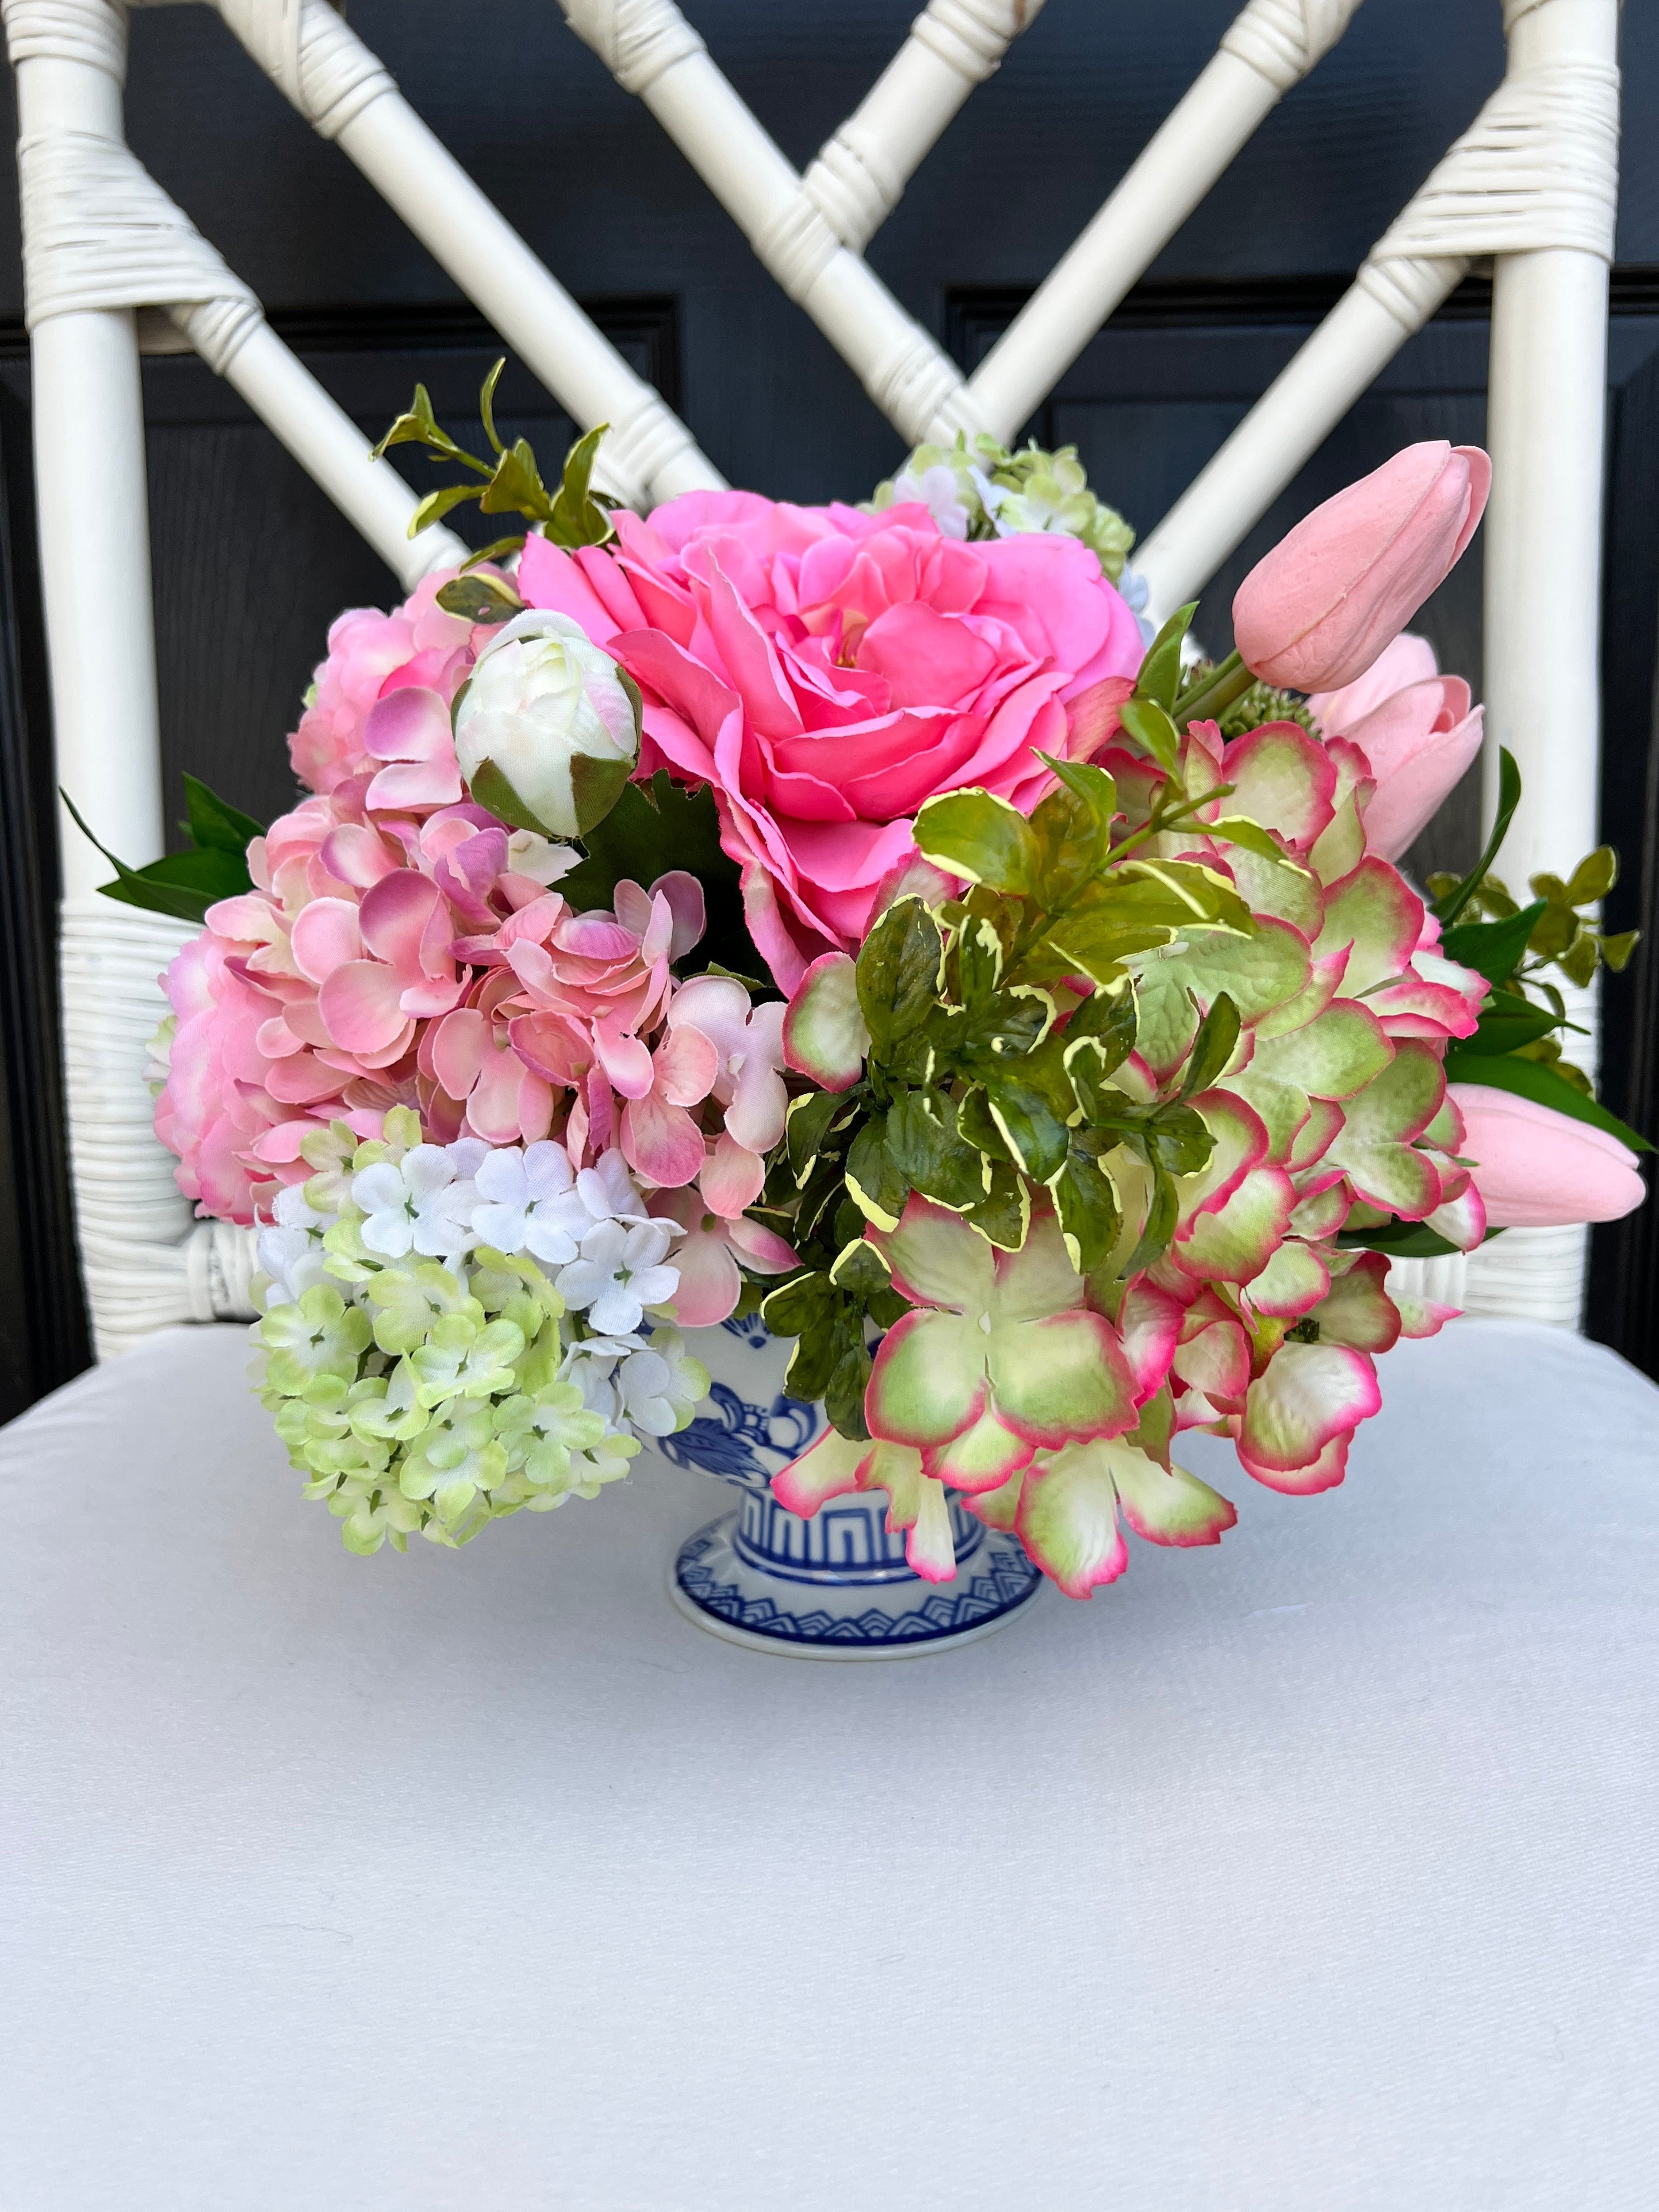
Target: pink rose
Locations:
point(1539, 1169)
point(825, 671)
point(1316, 611)
point(1418, 731)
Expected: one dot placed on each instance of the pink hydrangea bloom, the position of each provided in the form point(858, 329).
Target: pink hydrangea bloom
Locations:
point(824, 671)
point(401, 947)
point(371, 654)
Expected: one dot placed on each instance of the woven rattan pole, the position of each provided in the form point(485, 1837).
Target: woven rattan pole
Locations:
point(1546, 418)
point(1545, 423)
point(1534, 179)
point(1292, 418)
point(954, 44)
point(654, 53)
point(331, 78)
point(1272, 45)
point(93, 516)
point(332, 449)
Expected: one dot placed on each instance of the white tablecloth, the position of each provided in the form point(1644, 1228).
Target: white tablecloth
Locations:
point(1316, 1871)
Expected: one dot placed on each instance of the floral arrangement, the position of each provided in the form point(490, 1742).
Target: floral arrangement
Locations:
point(1069, 1057)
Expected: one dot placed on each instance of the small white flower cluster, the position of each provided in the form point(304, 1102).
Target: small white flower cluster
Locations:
point(453, 1332)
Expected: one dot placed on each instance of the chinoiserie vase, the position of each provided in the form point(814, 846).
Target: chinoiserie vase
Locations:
point(835, 1587)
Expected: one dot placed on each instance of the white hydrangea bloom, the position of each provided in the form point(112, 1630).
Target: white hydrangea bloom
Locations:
point(290, 1251)
point(609, 1192)
point(940, 492)
point(619, 1274)
point(530, 1203)
point(660, 1388)
point(419, 1204)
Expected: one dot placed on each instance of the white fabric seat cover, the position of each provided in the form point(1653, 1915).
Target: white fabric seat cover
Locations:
point(1316, 1871)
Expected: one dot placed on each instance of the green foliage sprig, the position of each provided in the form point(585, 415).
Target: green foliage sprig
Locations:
point(575, 514)
point(1517, 1046)
point(214, 865)
point(982, 1080)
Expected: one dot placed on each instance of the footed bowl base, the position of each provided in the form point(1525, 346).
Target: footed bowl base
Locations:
point(899, 1618)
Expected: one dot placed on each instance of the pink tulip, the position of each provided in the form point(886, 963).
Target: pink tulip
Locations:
point(1418, 731)
point(1316, 611)
point(1539, 1169)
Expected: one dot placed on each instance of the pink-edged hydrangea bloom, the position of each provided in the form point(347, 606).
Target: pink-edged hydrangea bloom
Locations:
point(824, 671)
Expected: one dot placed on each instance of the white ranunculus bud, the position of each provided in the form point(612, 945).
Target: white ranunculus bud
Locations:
point(547, 731)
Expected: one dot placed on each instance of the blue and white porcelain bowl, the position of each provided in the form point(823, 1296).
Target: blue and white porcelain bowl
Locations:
point(835, 1587)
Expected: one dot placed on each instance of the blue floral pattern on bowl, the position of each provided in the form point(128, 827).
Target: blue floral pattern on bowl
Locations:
point(836, 1586)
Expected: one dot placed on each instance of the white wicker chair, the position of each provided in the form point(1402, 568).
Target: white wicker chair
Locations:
point(1531, 183)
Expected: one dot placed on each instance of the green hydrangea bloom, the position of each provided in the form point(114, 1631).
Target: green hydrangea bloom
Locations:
point(421, 1399)
point(986, 491)
point(455, 1457)
point(321, 1335)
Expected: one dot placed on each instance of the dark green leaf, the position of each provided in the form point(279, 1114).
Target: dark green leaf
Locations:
point(497, 549)
point(1151, 727)
point(490, 789)
point(874, 1176)
point(1179, 1139)
point(577, 518)
point(979, 961)
point(1509, 797)
point(898, 975)
point(1111, 1016)
point(1532, 1078)
point(1033, 1132)
point(596, 784)
point(817, 1351)
point(183, 885)
point(808, 1124)
point(843, 1393)
point(799, 1304)
point(486, 404)
point(1007, 1026)
point(1594, 877)
point(653, 829)
point(437, 504)
point(1089, 783)
point(1213, 1048)
point(976, 1127)
point(1071, 842)
point(1086, 1203)
point(1401, 1240)
point(1004, 1216)
point(1159, 679)
point(985, 839)
point(1507, 1022)
point(214, 822)
point(480, 599)
point(861, 1271)
point(923, 1142)
point(1162, 1215)
point(517, 488)
point(418, 426)
point(1493, 949)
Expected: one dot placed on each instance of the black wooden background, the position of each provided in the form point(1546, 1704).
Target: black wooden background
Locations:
point(251, 562)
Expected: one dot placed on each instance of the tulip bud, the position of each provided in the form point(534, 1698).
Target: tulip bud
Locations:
point(1316, 611)
point(547, 731)
point(1536, 1169)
